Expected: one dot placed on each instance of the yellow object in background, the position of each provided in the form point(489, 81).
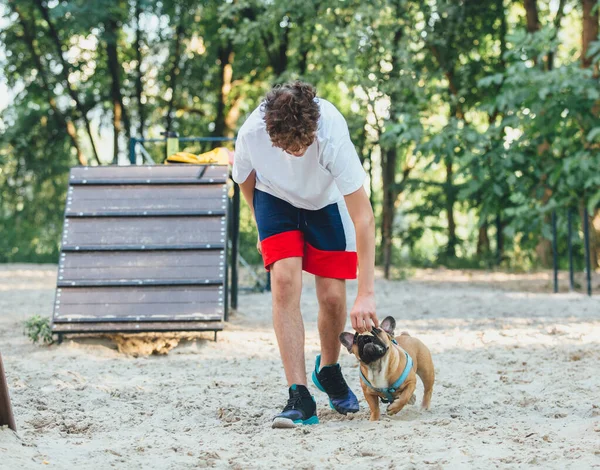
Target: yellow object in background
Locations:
point(182, 157)
point(217, 156)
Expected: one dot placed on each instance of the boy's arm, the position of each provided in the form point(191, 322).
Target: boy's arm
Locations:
point(247, 188)
point(244, 174)
point(363, 314)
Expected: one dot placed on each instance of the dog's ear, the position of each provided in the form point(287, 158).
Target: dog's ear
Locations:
point(388, 325)
point(347, 339)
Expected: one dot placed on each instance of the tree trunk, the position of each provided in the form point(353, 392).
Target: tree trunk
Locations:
point(43, 7)
point(483, 240)
point(532, 16)
point(499, 239)
point(590, 32)
point(139, 86)
point(116, 128)
point(544, 246)
point(533, 19)
point(175, 70)
point(114, 68)
point(281, 57)
point(29, 36)
point(557, 20)
point(450, 200)
point(503, 31)
point(225, 58)
point(389, 159)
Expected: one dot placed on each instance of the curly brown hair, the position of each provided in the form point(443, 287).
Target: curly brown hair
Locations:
point(291, 114)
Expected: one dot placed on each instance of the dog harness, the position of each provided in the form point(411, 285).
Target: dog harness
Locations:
point(389, 391)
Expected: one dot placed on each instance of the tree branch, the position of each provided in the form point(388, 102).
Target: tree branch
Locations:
point(43, 7)
point(29, 35)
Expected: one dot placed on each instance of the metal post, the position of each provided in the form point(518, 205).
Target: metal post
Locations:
point(227, 252)
point(235, 232)
point(226, 282)
point(6, 414)
point(132, 143)
point(269, 281)
point(172, 143)
point(554, 252)
point(588, 265)
point(570, 227)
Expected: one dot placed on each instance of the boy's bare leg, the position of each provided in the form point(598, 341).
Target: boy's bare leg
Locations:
point(331, 294)
point(286, 287)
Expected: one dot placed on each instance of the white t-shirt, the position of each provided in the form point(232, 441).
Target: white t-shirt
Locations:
point(328, 170)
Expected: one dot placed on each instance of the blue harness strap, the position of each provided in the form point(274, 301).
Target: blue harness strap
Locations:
point(389, 391)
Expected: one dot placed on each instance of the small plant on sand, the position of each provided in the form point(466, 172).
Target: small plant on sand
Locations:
point(37, 328)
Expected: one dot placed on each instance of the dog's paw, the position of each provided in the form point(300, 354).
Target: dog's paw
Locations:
point(413, 399)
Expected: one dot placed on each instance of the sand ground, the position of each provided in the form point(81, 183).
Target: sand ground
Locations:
point(518, 386)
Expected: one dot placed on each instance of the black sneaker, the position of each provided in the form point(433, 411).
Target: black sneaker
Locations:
point(331, 381)
point(300, 409)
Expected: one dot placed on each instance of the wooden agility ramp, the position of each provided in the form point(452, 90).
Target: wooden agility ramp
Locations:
point(6, 414)
point(144, 249)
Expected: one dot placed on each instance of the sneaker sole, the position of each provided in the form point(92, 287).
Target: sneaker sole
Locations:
point(286, 423)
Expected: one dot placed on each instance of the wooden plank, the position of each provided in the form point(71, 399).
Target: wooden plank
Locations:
point(139, 282)
point(183, 294)
point(138, 312)
point(154, 173)
point(6, 414)
point(128, 265)
point(144, 213)
point(134, 247)
point(164, 181)
point(143, 231)
point(138, 303)
point(145, 198)
point(135, 327)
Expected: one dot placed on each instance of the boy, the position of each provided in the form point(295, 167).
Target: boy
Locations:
point(301, 176)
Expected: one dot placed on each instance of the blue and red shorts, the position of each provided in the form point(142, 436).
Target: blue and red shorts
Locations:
point(325, 239)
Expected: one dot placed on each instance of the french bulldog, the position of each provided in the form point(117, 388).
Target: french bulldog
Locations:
point(389, 366)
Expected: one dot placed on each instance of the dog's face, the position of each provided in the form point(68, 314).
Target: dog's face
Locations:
point(371, 347)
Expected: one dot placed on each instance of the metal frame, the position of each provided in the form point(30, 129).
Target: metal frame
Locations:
point(235, 238)
point(586, 242)
point(554, 252)
point(133, 141)
point(134, 327)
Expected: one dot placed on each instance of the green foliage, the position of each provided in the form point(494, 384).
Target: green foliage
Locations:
point(37, 329)
point(460, 112)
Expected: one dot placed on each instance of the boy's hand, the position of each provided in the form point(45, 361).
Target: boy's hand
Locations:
point(258, 247)
point(362, 315)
